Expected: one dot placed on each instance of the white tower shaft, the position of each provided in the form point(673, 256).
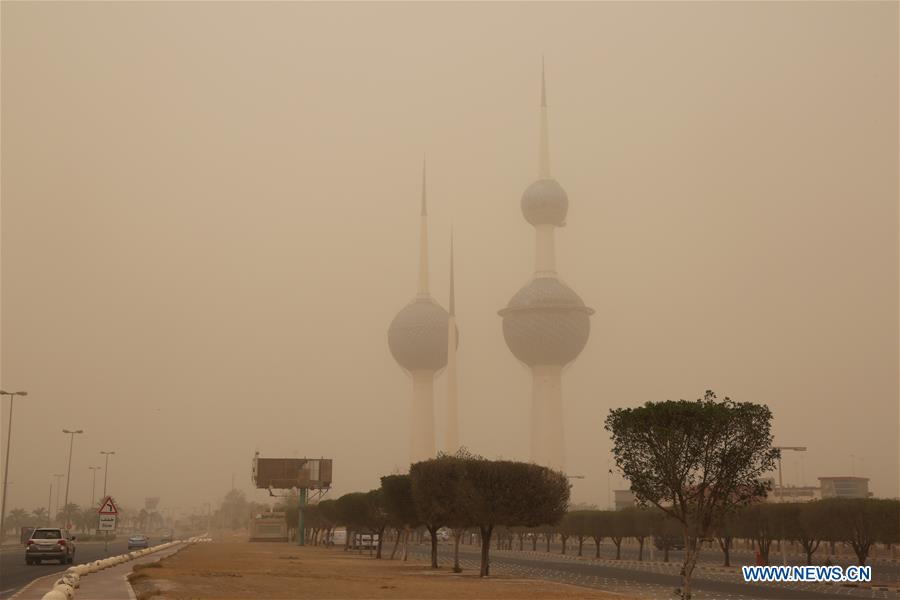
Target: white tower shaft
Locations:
point(452, 390)
point(546, 416)
point(421, 441)
point(544, 251)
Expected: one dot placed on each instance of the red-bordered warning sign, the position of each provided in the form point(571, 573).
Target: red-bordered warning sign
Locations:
point(108, 507)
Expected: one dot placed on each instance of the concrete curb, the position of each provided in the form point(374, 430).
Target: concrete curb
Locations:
point(65, 586)
point(132, 595)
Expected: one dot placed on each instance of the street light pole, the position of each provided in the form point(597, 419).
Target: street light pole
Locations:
point(93, 485)
point(105, 470)
point(781, 494)
point(69, 473)
point(49, 506)
point(6, 466)
point(56, 508)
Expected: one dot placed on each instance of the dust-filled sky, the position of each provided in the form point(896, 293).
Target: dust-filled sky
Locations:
point(210, 217)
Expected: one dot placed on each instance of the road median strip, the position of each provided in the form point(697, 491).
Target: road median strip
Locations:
point(64, 588)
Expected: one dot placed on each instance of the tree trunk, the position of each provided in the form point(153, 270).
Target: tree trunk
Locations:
point(597, 544)
point(456, 535)
point(810, 546)
point(434, 555)
point(396, 544)
point(380, 542)
point(547, 537)
point(861, 549)
point(666, 553)
point(640, 549)
point(534, 542)
point(725, 545)
point(521, 542)
point(564, 538)
point(347, 540)
point(486, 551)
point(691, 552)
point(580, 545)
point(618, 543)
point(406, 534)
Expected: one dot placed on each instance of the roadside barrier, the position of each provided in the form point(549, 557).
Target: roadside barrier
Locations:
point(64, 587)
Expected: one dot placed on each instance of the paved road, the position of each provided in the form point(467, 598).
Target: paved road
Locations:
point(14, 573)
point(643, 580)
point(882, 568)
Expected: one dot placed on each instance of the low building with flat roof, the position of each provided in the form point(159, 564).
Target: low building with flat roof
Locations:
point(845, 487)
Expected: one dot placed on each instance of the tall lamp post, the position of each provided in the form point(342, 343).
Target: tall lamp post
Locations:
point(781, 494)
point(69, 472)
point(11, 395)
point(105, 470)
point(93, 484)
point(58, 476)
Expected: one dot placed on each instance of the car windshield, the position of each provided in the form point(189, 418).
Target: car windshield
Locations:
point(46, 534)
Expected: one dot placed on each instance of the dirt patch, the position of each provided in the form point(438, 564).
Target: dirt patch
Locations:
point(235, 570)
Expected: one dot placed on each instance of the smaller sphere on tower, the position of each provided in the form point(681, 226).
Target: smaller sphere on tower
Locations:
point(545, 202)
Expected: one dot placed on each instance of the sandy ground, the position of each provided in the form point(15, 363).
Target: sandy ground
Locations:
point(276, 570)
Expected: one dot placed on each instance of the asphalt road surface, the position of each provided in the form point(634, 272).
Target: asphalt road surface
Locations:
point(713, 556)
point(649, 580)
point(14, 573)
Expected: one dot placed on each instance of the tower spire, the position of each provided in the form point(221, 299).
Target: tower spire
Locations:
point(544, 151)
point(423, 291)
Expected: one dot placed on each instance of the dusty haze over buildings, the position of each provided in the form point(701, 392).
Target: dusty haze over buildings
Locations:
point(210, 215)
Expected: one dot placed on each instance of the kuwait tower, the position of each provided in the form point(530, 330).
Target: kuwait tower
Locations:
point(417, 338)
point(546, 324)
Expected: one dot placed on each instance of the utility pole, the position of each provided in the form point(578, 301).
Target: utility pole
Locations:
point(49, 506)
point(56, 508)
point(105, 470)
point(11, 395)
point(69, 475)
point(93, 485)
point(781, 494)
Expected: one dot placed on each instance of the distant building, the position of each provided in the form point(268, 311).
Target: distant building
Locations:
point(845, 487)
point(624, 499)
point(790, 493)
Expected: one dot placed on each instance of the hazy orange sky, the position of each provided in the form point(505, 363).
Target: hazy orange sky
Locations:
point(209, 219)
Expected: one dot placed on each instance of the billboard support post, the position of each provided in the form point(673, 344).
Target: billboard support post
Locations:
point(301, 504)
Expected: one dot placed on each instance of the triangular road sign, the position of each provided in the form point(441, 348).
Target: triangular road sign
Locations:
point(108, 507)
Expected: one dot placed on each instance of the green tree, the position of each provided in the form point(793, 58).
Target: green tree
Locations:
point(694, 460)
point(803, 524)
point(513, 494)
point(377, 517)
point(761, 522)
point(596, 527)
point(442, 495)
point(400, 507)
point(575, 524)
point(723, 530)
point(639, 525)
point(861, 522)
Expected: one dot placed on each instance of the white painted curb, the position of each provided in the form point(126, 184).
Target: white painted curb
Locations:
point(64, 587)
